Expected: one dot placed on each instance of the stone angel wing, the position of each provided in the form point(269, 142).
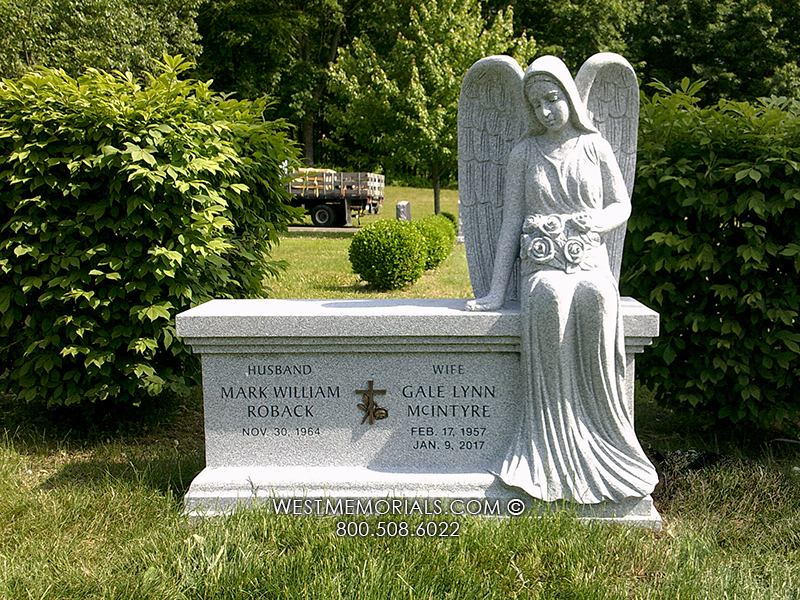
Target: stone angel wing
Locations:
point(492, 119)
point(610, 92)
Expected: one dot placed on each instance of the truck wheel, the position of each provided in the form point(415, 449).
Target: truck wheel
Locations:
point(322, 215)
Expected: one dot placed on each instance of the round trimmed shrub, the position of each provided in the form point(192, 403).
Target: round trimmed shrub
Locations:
point(439, 237)
point(388, 254)
point(453, 219)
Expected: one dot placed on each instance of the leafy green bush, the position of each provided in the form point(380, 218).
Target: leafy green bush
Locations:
point(714, 246)
point(122, 205)
point(439, 238)
point(388, 254)
point(453, 220)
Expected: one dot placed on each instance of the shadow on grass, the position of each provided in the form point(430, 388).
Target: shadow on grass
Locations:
point(159, 444)
point(688, 450)
point(359, 288)
point(165, 472)
point(664, 431)
point(312, 232)
point(363, 287)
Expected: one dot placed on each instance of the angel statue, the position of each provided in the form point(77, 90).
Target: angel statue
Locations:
point(546, 166)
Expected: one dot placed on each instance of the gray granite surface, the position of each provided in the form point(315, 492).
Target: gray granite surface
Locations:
point(283, 381)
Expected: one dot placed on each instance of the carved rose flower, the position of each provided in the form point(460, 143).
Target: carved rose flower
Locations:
point(574, 251)
point(541, 250)
point(552, 225)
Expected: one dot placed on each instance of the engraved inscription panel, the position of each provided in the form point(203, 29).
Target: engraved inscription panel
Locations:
point(428, 414)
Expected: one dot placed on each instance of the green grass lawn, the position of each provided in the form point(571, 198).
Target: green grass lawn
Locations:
point(318, 267)
point(99, 514)
point(100, 517)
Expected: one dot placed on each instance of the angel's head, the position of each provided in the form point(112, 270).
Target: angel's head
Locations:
point(552, 97)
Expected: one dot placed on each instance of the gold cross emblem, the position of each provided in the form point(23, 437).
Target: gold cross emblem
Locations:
point(371, 409)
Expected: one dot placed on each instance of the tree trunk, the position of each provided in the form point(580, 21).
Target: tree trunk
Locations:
point(307, 125)
point(437, 190)
point(307, 133)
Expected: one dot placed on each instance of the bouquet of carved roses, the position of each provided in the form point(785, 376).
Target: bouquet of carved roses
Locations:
point(559, 241)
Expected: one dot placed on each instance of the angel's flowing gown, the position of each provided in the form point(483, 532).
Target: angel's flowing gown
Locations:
point(576, 440)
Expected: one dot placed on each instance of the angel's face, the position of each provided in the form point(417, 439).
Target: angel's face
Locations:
point(549, 103)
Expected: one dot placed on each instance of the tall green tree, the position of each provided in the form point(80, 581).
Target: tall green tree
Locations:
point(573, 29)
point(279, 47)
point(402, 105)
point(744, 49)
point(73, 35)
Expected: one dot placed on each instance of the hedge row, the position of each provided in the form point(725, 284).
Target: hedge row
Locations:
point(121, 205)
point(714, 246)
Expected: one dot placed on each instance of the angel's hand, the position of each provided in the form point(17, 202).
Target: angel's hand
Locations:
point(486, 303)
point(583, 221)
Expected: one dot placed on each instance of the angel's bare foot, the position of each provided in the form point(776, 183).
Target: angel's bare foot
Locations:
point(485, 303)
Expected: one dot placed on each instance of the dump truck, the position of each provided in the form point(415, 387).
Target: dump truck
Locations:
point(330, 197)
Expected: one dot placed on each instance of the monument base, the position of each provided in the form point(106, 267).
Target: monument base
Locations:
point(357, 491)
point(371, 400)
